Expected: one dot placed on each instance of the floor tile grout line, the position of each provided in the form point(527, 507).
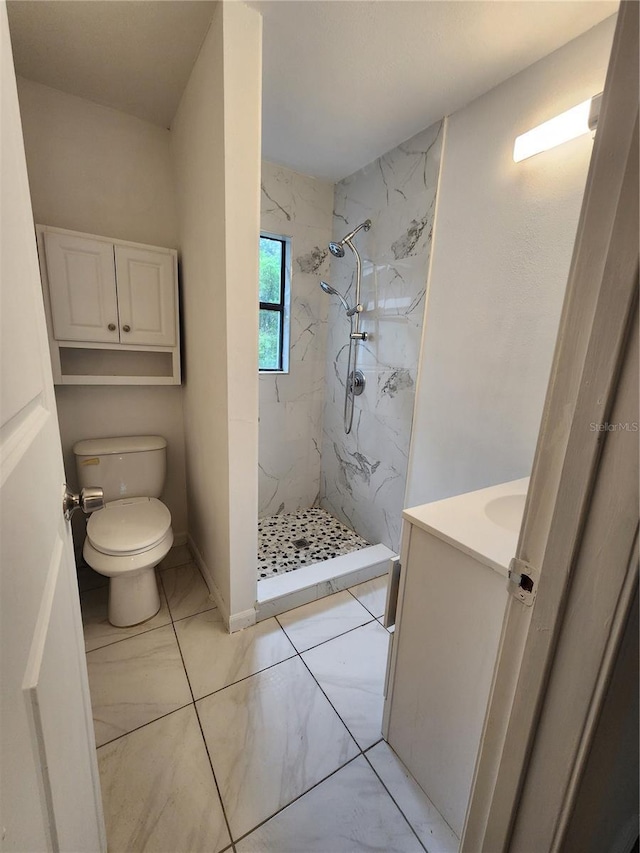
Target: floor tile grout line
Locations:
point(358, 747)
point(204, 740)
point(320, 687)
point(182, 707)
point(364, 605)
point(162, 716)
point(361, 751)
point(184, 667)
point(139, 633)
point(213, 773)
point(393, 799)
point(144, 725)
point(295, 653)
point(206, 695)
point(206, 746)
point(178, 565)
point(299, 797)
point(246, 677)
point(214, 606)
point(193, 563)
point(130, 637)
point(240, 838)
point(322, 643)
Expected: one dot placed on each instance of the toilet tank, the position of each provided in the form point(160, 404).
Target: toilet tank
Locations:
point(130, 466)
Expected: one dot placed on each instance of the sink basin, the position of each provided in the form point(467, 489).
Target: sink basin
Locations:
point(484, 524)
point(506, 511)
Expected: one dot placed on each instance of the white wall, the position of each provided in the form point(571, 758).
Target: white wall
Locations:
point(92, 168)
point(98, 170)
point(503, 241)
point(299, 207)
point(215, 149)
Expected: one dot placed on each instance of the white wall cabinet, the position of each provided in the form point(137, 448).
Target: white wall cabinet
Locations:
point(112, 309)
point(146, 296)
point(82, 285)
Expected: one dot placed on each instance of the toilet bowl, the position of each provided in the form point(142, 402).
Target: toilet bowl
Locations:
point(125, 541)
point(128, 537)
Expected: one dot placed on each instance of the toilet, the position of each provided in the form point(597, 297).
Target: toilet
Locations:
point(132, 533)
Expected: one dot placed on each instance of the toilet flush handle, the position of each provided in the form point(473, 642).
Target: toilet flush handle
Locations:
point(89, 500)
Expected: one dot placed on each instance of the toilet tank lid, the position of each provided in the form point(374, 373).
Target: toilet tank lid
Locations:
point(123, 444)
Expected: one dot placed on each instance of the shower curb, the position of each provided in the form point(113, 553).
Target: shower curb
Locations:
point(277, 595)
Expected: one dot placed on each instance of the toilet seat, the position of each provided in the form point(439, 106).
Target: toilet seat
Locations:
point(129, 526)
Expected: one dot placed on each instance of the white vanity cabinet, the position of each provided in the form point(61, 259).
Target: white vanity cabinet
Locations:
point(112, 309)
point(450, 607)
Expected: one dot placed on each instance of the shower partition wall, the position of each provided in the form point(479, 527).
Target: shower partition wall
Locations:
point(306, 459)
point(363, 474)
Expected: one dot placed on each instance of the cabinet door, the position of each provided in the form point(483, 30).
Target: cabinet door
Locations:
point(146, 296)
point(82, 287)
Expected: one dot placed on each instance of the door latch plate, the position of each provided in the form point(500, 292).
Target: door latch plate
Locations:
point(523, 581)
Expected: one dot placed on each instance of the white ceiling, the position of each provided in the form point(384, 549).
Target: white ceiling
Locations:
point(132, 55)
point(343, 80)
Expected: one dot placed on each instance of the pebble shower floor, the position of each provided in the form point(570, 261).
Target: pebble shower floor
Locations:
point(294, 540)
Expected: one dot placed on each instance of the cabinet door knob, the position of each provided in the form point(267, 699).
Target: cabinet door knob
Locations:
point(126, 328)
point(111, 327)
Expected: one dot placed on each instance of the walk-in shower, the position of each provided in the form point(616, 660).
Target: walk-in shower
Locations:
point(354, 379)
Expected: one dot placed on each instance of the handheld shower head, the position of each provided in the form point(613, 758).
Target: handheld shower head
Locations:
point(333, 292)
point(337, 249)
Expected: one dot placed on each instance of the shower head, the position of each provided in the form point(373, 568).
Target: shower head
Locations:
point(337, 249)
point(333, 292)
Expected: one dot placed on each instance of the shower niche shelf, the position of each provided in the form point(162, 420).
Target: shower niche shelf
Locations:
point(111, 308)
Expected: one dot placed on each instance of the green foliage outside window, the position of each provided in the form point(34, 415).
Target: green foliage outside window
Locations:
point(270, 269)
point(268, 340)
point(271, 294)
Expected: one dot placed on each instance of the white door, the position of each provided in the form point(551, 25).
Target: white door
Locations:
point(146, 296)
point(49, 788)
point(82, 286)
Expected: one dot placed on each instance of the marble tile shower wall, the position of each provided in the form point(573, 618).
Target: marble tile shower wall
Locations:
point(298, 207)
point(364, 473)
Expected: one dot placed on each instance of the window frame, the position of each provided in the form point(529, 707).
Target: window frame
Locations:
point(281, 307)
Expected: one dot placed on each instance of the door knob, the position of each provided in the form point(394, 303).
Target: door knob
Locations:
point(89, 500)
point(111, 327)
point(126, 328)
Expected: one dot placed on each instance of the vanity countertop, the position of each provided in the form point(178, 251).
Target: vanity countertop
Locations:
point(484, 523)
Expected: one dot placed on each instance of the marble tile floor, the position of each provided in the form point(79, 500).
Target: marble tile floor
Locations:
point(294, 540)
point(264, 740)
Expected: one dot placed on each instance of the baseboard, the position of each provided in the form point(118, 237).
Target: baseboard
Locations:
point(180, 538)
point(206, 574)
point(244, 619)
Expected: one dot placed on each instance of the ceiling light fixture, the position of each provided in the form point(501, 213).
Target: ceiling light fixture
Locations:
point(562, 128)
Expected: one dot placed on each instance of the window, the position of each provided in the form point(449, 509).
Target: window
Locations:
point(274, 319)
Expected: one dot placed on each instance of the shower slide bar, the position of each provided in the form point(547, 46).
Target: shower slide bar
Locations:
point(355, 381)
